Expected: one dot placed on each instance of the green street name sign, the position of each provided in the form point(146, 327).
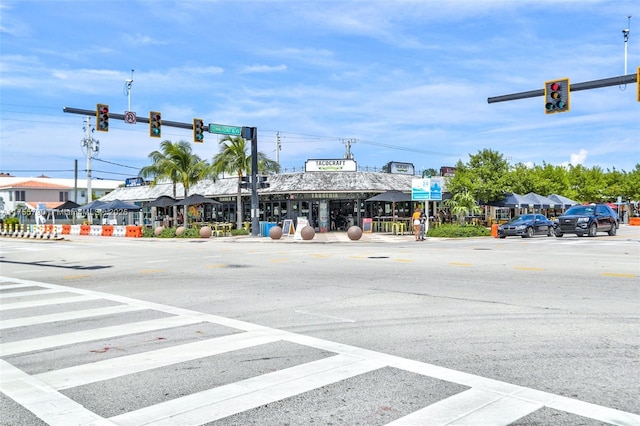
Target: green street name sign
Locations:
point(221, 129)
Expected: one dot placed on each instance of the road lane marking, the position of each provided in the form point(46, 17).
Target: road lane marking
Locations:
point(460, 264)
point(324, 316)
point(527, 268)
point(611, 274)
point(66, 316)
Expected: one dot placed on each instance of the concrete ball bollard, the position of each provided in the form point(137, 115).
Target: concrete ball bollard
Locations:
point(158, 230)
point(307, 233)
point(205, 232)
point(354, 233)
point(180, 230)
point(275, 233)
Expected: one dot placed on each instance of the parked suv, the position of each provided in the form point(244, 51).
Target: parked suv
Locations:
point(587, 220)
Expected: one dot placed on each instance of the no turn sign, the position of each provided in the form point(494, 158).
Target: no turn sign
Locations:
point(130, 117)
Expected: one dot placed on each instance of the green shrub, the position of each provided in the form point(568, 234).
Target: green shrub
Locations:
point(147, 232)
point(167, 233)
point(240, 231)
point(11, 221)
point(189, 233)
point(457, 231)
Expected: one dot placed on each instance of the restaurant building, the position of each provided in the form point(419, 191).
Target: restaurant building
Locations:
point(330, 194)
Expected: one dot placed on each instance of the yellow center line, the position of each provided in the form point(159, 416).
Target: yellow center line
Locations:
point(403, 260)
point(525, 268)
point(460, 264)
point(610, 274)
point(151, 271)
point(76, 277)
point(217, 265)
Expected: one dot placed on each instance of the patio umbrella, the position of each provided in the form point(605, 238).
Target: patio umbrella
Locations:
point(118, 205)
point(538, 200)
point(562, 201)
point(195, 199)
point(162, 201)
point(511, 200)
point(94, 205)
point(391, 197)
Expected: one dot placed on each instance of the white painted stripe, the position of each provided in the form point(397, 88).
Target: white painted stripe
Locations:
point(45, 302)
point(51, 407)
point(40, 343)
point(4, 296)
point(224, 401)
point(131, 364)
point(66, 316)
point(471, 407)
point(12, 286)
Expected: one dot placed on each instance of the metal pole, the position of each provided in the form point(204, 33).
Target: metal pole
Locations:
point(587, 85)
point(255, 204)
point(89, 146)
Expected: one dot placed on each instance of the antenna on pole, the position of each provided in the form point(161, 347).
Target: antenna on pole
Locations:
point(127, 90)
point(625, 35)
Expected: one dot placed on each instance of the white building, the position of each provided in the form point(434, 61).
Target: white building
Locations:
point(30, 192)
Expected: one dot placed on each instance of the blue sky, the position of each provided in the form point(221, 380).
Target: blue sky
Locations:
point(408, 80)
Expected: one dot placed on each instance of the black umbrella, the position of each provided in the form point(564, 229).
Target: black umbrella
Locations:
point(94, 205)
point(163, 201)
point(391, 197)
point(118, 205)
point(195, 199)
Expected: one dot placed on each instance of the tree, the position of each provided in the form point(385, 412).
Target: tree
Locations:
point(462, 204)
point(176, 161)
point(485, 176)
point(234, 159)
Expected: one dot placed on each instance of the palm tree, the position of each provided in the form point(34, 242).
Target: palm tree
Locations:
point(176, 161)
point(461, 204)
point(234, 159)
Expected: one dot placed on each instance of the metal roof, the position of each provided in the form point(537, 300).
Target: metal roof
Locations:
point(287, 183)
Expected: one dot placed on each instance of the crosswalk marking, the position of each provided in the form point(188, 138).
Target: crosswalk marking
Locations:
point(471, 407)
point(65, 316)
point(52, 407)
point(131, 364)
point(46, 302)
point(224, 401)
point(486, 401)
point(39, 343)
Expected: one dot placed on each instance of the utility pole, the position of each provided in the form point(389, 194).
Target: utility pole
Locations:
point(91, 145)
point(347, 144)
point(625, 35)
point(278, 147)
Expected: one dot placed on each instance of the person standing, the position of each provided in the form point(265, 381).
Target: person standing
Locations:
point(415, 218)
point(423, 226)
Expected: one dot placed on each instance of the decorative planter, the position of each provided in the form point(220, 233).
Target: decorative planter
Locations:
point(354, 233)
point(275, 233)
point(180, 231)
point(307, 233)
point(158, 230)
point(205, 232)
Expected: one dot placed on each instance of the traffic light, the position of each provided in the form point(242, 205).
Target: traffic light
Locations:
point(198, 130)
point(155, 124)
point(102, 117)
point(245, 182)
point(262, 182)
point(556, 96)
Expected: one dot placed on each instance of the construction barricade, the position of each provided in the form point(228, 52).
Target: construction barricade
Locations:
point(66, 229)
point(96, 230)
point(107, 230)
point(119, 231)
point(134, 231)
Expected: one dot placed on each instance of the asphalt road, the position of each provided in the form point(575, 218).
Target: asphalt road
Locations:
point(237, 331)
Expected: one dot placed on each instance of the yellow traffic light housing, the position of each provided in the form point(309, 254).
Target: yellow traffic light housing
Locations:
point(102, 117)
point(556, 96)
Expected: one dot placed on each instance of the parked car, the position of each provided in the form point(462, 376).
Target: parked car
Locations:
point(587, 220)
point(527, 226)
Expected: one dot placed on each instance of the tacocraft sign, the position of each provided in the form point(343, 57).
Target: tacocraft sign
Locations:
point(338, 165)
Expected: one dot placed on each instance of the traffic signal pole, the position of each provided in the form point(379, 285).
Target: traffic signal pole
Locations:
point(587, 85)
point(113, 116)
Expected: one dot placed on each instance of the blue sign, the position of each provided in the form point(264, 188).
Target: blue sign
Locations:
point(427, 189)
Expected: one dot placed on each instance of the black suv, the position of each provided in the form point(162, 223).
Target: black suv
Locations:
point(587, 220)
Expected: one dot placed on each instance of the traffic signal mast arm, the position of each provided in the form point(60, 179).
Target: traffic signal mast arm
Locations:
point(575, 87)
point(113, 116)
